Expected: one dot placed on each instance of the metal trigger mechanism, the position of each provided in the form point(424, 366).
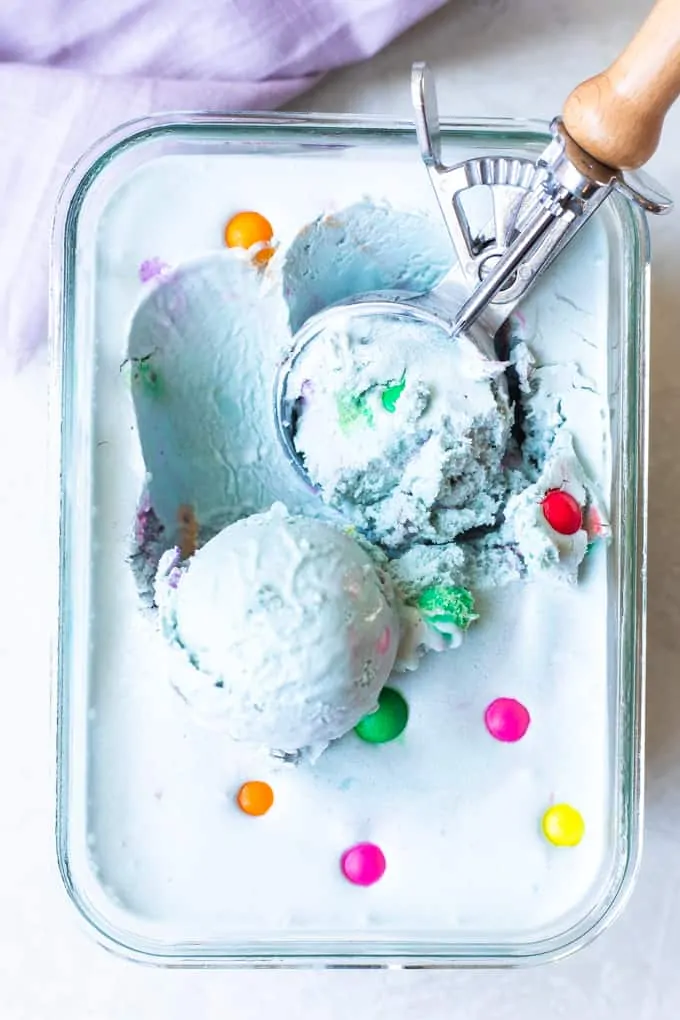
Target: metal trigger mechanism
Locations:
point(533, 208)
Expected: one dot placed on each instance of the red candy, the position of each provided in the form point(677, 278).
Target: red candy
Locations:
point(562, 512)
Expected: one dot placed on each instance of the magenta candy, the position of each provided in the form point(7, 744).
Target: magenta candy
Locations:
point(363, 864)
point(507, 719)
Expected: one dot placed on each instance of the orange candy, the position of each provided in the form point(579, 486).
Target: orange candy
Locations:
point(188, 531)
point(248, 228)
point(255, 797)
point(263, 255)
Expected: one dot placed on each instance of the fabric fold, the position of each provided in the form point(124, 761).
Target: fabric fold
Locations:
point(74, 70)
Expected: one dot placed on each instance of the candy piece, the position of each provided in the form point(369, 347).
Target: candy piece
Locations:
point(594, 524)
point(562, 512)
point(387, 722)
point(391, 394)
point(149, 529)
point(353, 410)
point(363, 864)
point(255, 797)
point(263, 254)
point(444, 605)
point(507, 719)
point(248, 228)
point(188, 531)
point(145, 374)
point(151, 268)
point(563, 825)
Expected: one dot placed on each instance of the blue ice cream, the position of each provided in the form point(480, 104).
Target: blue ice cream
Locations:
point(362, 249)
point(409, 436)
point(204, 346)
point(404, 429)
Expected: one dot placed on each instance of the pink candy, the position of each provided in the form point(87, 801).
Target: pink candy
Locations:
point(363, 864)
point(507, 719)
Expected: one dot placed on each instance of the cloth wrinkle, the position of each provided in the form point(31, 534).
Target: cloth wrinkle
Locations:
point(75, 70)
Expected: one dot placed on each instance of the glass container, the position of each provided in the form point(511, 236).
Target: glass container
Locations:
point(150, 865)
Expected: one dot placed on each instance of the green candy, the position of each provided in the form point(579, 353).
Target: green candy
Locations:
point(353, 410)
point(444, 605)
point(387, 722)
point(391, 394)
point(145, 374)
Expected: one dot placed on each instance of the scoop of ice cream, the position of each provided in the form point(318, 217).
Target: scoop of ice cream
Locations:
point(288, 626)
point(403, 428)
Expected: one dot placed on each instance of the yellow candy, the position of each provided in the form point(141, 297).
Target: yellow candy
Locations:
point(563, 825)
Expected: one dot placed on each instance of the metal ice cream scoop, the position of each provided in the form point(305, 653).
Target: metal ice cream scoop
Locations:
point(610, 126)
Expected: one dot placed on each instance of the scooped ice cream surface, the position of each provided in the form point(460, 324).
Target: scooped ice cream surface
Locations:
point(286, 626)
point(403, 428)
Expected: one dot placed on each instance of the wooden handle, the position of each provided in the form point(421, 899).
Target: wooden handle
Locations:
point(617, 116)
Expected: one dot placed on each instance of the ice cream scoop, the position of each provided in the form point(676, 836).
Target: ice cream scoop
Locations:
point(405, 433)
point(283, 628)
point(510, 218)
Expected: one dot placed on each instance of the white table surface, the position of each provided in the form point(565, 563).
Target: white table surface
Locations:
point(496, 57)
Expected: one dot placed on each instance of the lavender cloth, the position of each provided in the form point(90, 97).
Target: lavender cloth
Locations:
point(70, 70)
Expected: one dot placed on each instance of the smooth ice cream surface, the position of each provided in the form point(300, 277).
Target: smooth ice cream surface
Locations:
point(287, 625)
point(403, 428)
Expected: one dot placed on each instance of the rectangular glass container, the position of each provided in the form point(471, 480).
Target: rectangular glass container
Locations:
point(114, 744)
